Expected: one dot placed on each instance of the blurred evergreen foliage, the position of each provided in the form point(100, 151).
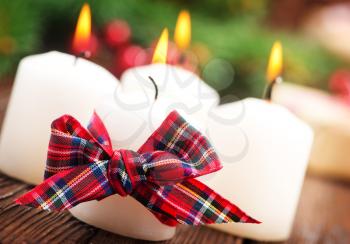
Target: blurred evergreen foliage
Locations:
point(20, 28)
point(233, 30)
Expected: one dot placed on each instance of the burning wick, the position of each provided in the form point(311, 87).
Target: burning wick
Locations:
point(85, 54)
point(182, 58)
point(82, 35)
point(269, 88)
point(274, 69)
point(155, 88)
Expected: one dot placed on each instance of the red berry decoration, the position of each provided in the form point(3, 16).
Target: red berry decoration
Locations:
point(128, 57)
point(117, 33)
point(340, 85)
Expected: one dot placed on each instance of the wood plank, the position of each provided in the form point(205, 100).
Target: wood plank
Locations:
point(323, 217)
point(323, 214)
point(22, 224)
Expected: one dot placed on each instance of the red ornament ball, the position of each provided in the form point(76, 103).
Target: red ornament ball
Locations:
point(340, 82)
point(117, 33)
point(128, 57)
point(340, 85)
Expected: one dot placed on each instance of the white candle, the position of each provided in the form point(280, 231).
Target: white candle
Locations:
point(172, 81)
point(130, 119)
point(46, 87)
point(264, 149)
point(50, 85)
point(131, 116)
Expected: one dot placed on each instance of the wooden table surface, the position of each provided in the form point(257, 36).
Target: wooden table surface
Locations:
point(323, 216)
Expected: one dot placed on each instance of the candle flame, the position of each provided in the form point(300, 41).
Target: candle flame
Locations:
point(160, 52)
point(82, 33)
point(182, 35)
point(275, 65)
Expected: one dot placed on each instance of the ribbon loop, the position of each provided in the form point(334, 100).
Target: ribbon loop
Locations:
point(165, 168)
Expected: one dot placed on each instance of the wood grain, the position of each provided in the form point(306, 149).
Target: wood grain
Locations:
point(324, 213)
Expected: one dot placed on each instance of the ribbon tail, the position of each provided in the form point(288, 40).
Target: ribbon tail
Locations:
point(149, 195)
point(190, 202)
point(208, 207)
point(69, 188)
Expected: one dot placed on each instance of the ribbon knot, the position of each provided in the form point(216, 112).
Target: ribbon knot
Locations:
point(121, 172)
point(82, 166)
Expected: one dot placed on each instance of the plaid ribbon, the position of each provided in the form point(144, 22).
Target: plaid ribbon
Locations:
point(82, 166)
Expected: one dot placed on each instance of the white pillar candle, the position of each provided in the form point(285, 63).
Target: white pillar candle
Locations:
point(264, 149)
point(130, 119)
point(46, 87)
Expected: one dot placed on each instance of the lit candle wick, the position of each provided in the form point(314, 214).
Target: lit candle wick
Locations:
point(269, 88)
point(85, 54)
point(82, 36)
point(274, 69)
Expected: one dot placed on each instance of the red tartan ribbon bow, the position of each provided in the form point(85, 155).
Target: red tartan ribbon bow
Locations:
point(82, 166)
